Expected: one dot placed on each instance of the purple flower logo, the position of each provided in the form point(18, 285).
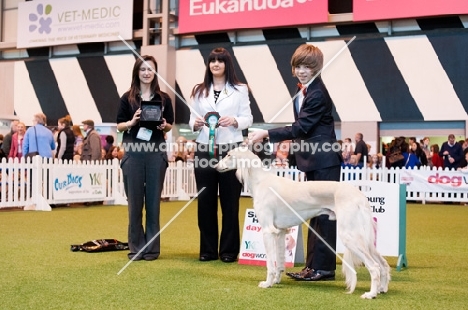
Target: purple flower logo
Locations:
point(44, 22)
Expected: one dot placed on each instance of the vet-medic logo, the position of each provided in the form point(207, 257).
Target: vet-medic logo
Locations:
point(40, 20)
point(70, 181)
point(217, 7)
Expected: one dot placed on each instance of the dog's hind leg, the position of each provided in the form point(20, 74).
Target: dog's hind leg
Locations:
point(360, 251)
point(384, 271)
point(269, 241)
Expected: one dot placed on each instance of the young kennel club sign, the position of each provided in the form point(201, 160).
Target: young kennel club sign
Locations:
point(388, 205)
point(80, 183)
point(57, 22)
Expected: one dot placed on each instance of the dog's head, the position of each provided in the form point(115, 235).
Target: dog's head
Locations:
point(240, 159)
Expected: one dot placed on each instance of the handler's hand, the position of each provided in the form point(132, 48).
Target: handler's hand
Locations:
point(163, 125)
point(135, 119)
point(199, 123)
point(258, 135)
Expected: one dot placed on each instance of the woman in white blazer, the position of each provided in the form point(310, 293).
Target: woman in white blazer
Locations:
point(227, 100)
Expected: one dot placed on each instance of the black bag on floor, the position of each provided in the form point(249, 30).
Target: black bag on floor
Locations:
point(100, 245)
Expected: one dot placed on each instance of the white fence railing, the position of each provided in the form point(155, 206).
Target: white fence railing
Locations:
point(27, 183)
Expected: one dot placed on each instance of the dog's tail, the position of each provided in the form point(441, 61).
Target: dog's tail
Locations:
point(350, 261)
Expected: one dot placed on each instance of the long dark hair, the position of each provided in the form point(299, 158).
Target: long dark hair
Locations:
point(222, 55)
point(134, 91)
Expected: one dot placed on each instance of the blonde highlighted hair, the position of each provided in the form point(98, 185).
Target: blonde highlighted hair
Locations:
point(65, 120)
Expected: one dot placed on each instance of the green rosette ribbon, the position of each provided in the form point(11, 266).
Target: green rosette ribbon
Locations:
point(212, 119)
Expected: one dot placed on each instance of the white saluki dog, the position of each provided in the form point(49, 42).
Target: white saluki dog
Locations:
point(273, 198)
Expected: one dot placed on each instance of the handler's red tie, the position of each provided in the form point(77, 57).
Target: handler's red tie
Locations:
point(304, 89)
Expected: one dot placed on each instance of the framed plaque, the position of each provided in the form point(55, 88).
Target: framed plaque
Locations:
point(151, 113)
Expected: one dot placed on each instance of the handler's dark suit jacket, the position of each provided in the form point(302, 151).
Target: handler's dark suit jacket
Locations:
point(313, 128)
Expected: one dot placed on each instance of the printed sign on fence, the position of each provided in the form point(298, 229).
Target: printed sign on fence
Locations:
point(432, 181)
point(253, 251)
point(86, 182)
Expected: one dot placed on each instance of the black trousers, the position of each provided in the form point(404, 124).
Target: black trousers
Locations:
point(143, 175)
point(229, 188)
point(319, 256)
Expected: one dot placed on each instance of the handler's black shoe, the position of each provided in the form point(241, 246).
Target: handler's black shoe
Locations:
point(228, 259)
point(207, 258)
point(133, 257)
point(320, 275)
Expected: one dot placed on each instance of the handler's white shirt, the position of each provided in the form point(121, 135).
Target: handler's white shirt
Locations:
point(231, 102)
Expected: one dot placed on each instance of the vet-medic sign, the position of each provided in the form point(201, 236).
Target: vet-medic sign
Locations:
point(57, 22)
point(214, 15)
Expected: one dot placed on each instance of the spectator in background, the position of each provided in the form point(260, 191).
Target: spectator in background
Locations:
point(91, 147)
point(7, 138)
point(190, 145)
point(464, 144)
point(78, 142)
point(426, 147)
point(464, 162)
point(396, 146)
point(103, 154)
point(120, 153)
point(435, 158)
point(410, 158)
point(347, 148)
point(451, 152)
point(375, 161)
point(65, 139)
point(417, 151)
point(109, 143)
point(352, 163)
point(39, 138)
point(181, 152)
point(113, 152)
point(16, 149)
point(361, 149)
point(2, 155)
point(283, 157)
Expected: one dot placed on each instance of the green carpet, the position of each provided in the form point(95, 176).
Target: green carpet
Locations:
point(38, 271)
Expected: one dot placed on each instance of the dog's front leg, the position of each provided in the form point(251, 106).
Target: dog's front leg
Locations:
point(280, 248)
point(269, 243)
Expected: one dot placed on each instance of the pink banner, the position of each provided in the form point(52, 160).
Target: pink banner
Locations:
point(214, 15)
point(390, 9)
